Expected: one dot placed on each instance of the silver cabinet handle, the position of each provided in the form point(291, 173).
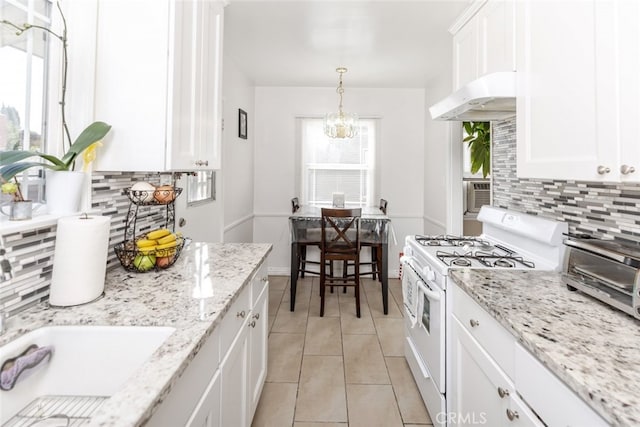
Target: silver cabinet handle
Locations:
point(474, 323)
point(198, 162)
point(252, 324)
point(256, 316)
point(264, 279)
point(603, 170)
point(626, 169)
point(503, 392)
point(206, 162)
point(241, 314)
point(512, 415)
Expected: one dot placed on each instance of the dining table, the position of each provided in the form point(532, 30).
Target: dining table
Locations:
point(374, 228)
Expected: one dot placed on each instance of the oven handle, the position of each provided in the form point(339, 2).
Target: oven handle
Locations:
point(434, 296)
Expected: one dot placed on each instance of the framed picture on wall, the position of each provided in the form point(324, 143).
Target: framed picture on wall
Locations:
point(242, 123)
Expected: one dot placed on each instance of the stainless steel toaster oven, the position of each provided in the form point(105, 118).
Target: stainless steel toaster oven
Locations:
point(606, 270)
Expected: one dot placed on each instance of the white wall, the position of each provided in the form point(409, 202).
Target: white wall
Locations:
point(237, 156)
point(401, 158)
point(436, 159)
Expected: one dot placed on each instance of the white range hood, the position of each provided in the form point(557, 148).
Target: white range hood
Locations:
point(491, 97)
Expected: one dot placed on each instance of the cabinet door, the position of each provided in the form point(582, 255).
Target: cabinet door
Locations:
point(258, 347)
point(465, 54)
point(234, 408)
point(207, 412)
point(565, 114)
point(496, 31)
point(478, 388)
point(628, 36)
point(131, 94)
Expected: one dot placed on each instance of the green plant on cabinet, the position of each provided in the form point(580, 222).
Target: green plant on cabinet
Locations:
point(479, 141)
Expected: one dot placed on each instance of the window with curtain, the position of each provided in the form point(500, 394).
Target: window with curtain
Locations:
point(23, 83)
point(338, 165)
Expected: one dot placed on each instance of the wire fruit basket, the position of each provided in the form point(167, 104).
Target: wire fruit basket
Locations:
point(141, 260)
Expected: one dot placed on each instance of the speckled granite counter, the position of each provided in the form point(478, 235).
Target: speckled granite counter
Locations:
point(156, 299)
point(594, 349)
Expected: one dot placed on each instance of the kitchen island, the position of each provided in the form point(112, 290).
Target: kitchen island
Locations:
point(592, 348)
point(164, 298)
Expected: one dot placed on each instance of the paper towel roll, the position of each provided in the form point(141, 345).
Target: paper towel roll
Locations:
point(79, 260)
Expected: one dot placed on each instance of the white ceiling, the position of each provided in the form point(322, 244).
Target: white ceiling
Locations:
point(383, 43)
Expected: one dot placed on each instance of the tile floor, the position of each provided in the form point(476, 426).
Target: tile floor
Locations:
point(337, 370)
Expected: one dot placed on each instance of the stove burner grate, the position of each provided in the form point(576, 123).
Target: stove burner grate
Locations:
point(487, 259)
point(449, 240)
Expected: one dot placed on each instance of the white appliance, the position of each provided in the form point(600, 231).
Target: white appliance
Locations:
point(509, 240)
point(490, 97)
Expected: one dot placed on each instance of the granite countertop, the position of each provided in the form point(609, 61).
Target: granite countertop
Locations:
point(593, 348)
point(156, 299)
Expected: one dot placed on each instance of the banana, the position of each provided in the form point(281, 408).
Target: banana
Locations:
point(167, 239)
point(157, 234)
point(168, 245)
point(143, 243)
point(148, 250)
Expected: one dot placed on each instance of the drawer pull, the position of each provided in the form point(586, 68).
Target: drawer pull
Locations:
point(252, 324)
point(241, 314)
point(264, 279)
point(474, 323)
point(503, 392)
point(256, 316)
point(512, 415)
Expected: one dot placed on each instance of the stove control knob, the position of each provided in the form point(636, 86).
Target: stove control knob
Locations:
point(428, 273)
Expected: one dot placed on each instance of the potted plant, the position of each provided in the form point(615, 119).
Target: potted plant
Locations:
point(19, 208)
point(479, 140)
point(12, 162)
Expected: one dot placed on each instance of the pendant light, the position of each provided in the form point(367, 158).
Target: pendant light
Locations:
point(341, 125)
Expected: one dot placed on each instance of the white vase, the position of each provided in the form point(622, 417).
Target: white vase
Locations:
point(63, 191)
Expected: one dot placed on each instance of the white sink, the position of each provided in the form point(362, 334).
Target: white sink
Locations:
point(86, 361)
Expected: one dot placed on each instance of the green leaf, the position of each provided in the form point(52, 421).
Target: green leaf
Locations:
point(94, 132)
point(7, 172)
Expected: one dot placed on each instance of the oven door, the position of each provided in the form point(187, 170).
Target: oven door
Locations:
point(426, 329)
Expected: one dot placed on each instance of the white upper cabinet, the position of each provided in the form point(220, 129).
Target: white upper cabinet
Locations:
point(158, 83)
point(483, 41)
point(578, 90)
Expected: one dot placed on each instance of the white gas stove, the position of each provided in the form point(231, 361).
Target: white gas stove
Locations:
point(509, 240)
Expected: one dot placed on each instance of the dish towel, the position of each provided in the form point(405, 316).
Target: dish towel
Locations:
point(13, 368)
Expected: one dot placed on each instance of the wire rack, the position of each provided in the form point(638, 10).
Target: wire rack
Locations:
point(61, 411)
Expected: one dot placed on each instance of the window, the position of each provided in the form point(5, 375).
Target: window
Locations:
point(338, 165)
point(201, 187)
point(23, 88)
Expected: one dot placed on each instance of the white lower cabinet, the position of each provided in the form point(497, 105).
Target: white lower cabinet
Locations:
point(480, 392)
point(258, 348)
point(494, 381)
point(234, 382)
point(222, 384)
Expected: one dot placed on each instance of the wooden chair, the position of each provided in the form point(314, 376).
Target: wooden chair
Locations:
point(340, 241)
point(372, 241)
point(312, 239)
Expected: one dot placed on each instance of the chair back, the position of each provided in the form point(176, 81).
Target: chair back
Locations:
point(383, 206)
point(295, 205)
point(341, 233)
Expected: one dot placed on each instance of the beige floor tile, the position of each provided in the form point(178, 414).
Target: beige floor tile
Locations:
point(373, 289)
point(278, 282)
point(303, 287)
point(292, 321)
point(276, 405)
point(321, 392)
point(304, 424)
point(391, 334)
point(363, 360)
point(285, 357)
point(395, 290)
point(409, 401)
point(274, 303)
point(331, 302)
point(323, 336)
point(272, 320)
point(372, 405)
point(348, 320)
point(417, 425)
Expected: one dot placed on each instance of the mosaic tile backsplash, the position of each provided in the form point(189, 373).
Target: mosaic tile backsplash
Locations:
point(31, 253)
point(603, 210)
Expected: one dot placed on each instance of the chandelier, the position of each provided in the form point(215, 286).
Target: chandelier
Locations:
point(340, 124)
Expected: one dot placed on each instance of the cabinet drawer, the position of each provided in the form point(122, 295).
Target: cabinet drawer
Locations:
point(258, 283)
point(552, 400)
point(234, 319)
point(491, 335)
